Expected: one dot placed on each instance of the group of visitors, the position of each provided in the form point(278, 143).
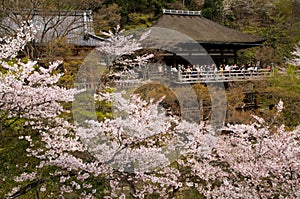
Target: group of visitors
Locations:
point(221, 67)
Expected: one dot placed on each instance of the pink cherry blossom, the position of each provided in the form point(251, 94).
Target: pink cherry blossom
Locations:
point(141, 150)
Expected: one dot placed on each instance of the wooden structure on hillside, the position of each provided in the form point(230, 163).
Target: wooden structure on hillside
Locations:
point(187, 38)
point(220, 42)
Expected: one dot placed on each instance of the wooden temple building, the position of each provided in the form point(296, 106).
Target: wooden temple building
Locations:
point(220, 42)
point(188, 38)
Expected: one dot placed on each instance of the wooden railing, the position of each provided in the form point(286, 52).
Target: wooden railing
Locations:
point(155, 74)
point(128, 83)
point(117, 84)
point(191, 77)
point(219, 76)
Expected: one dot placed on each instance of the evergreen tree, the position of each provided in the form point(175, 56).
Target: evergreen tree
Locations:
point(213, 9)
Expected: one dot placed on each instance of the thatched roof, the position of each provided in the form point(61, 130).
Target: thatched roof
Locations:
point(204, 30)
point(75, 26)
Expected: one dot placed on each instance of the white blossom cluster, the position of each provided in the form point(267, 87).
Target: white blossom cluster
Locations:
point(10, 46)
point(119, 44)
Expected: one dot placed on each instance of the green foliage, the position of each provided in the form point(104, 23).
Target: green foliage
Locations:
point(285, 87)
point(157, 92)
point(274, 21)
point(70, 69)
point(13, 155)
point(139, 20)
point(103, 110)
point(139, 7)
point(106, 17)
point(213, 9)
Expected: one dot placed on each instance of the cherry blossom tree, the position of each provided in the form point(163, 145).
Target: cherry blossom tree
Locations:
point(30, 98)
point(119, 44)
point(258, 160)
point(141, 151)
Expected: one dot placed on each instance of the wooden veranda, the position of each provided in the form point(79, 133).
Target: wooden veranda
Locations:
point(219, 76)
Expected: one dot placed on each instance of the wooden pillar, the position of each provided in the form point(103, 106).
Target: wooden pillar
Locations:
point(174, 60)
point(235, 56)
point(222, 56)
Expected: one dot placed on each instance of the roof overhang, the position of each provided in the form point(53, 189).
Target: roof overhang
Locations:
point(205, 31)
